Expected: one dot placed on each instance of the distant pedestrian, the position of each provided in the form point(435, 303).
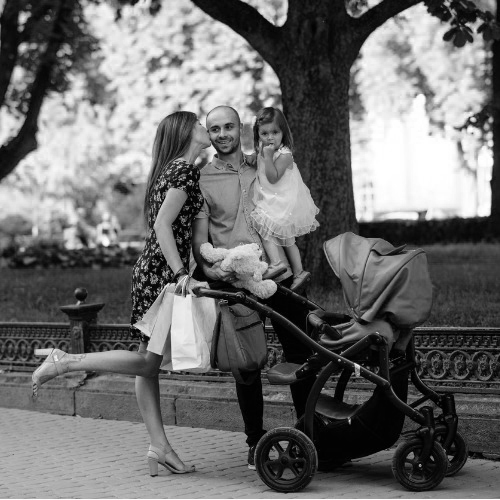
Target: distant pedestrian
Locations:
point(83, 230)
point(107, 231)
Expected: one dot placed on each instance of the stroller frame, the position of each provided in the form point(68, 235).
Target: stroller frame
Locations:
point(435, 450)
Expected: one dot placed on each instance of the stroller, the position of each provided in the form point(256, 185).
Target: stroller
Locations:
point(388, 292)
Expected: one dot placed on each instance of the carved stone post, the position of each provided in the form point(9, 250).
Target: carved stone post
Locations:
point(80, 316)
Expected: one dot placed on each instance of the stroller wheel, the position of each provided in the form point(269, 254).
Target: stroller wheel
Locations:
point(457, 452)
point(286, 459)
point(412, 474)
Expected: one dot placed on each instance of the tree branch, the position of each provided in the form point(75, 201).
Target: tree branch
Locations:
point(375, 17)
point(9, 44)
point(25, 141)
point(247, 21)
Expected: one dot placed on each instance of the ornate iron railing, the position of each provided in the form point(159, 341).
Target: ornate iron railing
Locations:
point(468, 359)
point(465, 357)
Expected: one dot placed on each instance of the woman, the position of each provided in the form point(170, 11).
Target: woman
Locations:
point(172, 200)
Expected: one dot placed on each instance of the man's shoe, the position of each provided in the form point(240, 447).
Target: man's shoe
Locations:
point(251, 457)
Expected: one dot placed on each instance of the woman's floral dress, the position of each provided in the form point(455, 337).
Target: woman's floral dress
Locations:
point(151, 271)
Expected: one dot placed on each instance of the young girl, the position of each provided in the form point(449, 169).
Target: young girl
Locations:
point(284, 208)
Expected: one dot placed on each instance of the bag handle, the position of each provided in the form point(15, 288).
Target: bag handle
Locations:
point(181, 286)
point(230, 336)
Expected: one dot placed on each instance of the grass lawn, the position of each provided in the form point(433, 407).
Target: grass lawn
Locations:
point(466, 279)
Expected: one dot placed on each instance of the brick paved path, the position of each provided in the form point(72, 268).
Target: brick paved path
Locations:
point(54, 456)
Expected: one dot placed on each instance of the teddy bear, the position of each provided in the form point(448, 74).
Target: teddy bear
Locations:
point(244, 261)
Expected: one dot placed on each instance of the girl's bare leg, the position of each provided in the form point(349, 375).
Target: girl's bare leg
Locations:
point(300, 277)
point(272, 252)
point(276, 265)
point(293, 255)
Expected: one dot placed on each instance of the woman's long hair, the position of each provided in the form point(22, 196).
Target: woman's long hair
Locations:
point(269, 115)
point(172, 141)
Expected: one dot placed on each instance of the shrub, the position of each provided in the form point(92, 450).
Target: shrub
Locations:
point(429, 232)
point(49, 254)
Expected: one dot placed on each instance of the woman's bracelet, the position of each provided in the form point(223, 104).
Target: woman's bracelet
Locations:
point(181, 272)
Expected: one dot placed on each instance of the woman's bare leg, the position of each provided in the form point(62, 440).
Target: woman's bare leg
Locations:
point(147, 391)
point(142, 363)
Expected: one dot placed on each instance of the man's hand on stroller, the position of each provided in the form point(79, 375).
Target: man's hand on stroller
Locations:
point(193, 285)
point(215, 273)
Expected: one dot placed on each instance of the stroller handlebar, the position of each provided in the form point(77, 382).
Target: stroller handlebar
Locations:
point(219, 294)
point(322, 326)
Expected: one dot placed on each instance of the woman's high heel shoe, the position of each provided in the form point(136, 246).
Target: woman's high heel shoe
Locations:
point(157, 456)
point(56, 363)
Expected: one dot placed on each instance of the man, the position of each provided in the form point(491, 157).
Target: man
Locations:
point(227, 186)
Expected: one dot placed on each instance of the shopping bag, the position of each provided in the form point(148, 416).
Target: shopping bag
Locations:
point(157, 321)
point(193, 321)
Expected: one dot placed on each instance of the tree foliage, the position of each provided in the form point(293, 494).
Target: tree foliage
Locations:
point(98, 134)
point(305, 56)
point(43, 43)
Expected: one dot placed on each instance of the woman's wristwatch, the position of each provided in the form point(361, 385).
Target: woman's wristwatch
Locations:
point(181, 272)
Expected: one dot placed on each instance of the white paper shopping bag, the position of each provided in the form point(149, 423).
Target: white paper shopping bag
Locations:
point(157, 321)
point(193, 321)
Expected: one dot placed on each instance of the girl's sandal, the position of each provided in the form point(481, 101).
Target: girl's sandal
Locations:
point(300, 280)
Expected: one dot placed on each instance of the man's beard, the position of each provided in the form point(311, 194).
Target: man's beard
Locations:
point(233, 146)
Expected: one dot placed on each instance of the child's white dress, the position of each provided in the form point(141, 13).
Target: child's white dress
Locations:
point(283, 210)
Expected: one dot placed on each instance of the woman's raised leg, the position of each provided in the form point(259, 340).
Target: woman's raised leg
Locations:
point(142, 363)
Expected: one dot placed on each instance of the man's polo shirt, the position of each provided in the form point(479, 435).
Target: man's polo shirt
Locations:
point(228, 193)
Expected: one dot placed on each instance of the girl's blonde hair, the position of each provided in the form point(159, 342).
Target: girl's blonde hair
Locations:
point(269, 115)
point(172, 140)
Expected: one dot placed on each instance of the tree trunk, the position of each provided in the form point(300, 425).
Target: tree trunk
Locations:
point(495, 174)
point(317, 109)
point(312, 54)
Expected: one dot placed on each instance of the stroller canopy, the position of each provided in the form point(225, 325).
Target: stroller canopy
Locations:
point(381, 281)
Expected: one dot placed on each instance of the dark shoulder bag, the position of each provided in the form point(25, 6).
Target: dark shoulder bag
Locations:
point(239, 342)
